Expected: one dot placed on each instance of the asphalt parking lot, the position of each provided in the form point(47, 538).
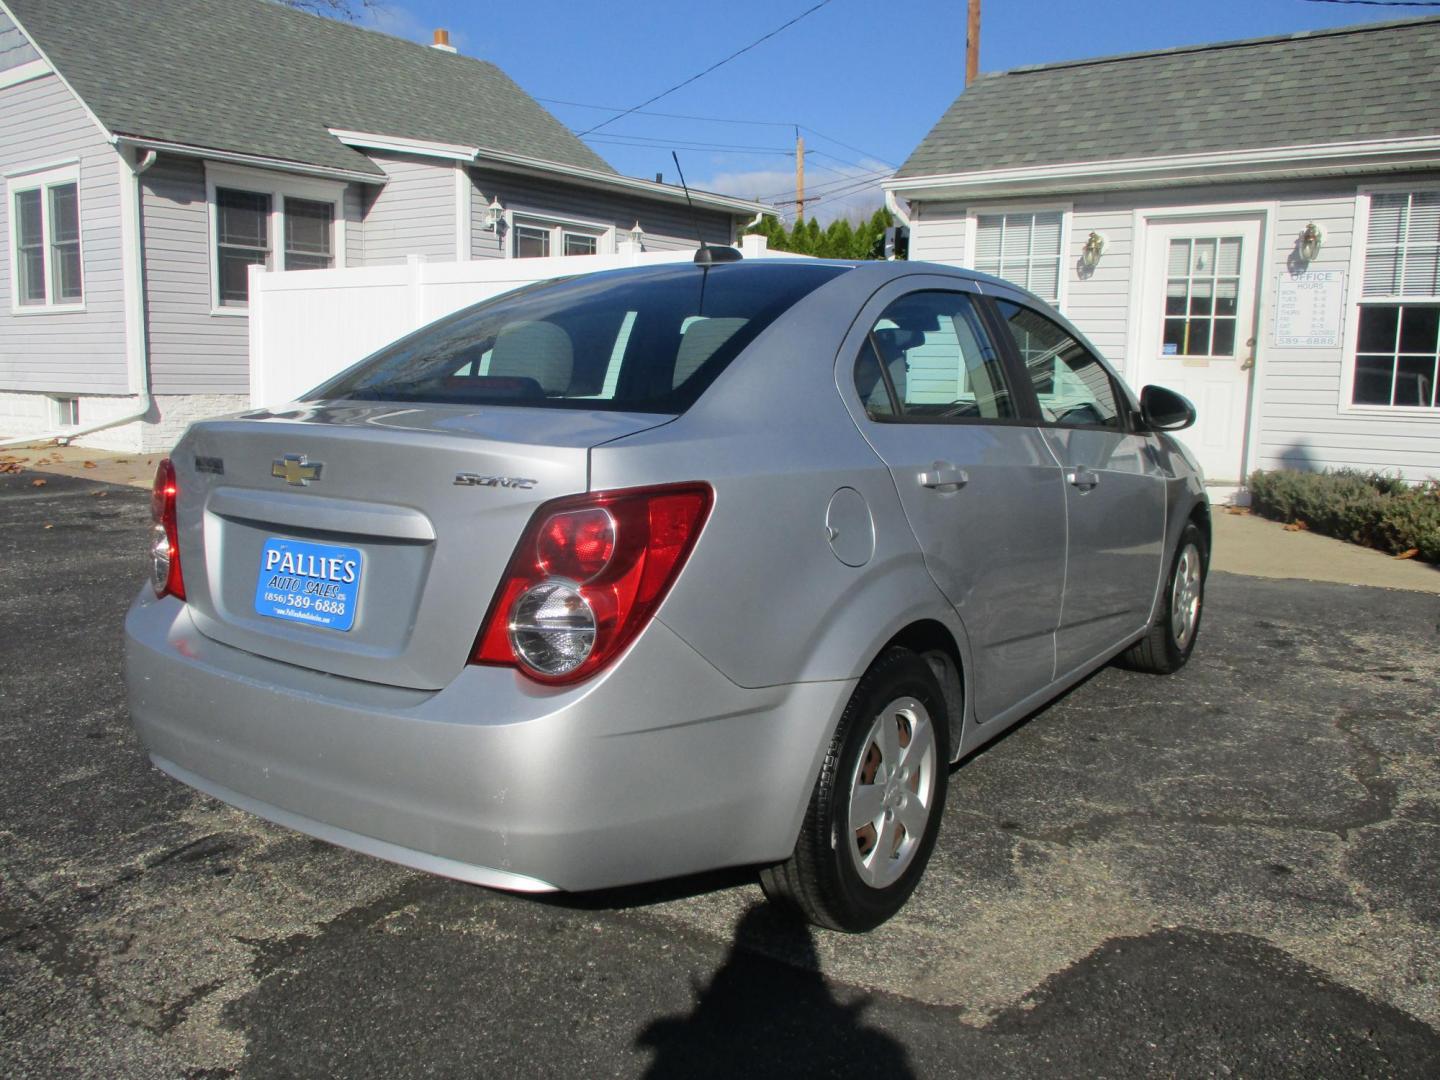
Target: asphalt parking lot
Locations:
point(1230, 871)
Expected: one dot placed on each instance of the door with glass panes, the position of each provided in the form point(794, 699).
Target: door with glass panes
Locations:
point(1197, 329)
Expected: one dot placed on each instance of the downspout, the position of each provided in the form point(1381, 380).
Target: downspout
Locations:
point(137, 352)
point(893, 205)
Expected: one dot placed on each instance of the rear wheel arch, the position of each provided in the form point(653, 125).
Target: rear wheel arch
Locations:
point(933, 642)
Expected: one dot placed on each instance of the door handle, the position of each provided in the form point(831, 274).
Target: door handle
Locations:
point(1084, 478)
point(943, 476)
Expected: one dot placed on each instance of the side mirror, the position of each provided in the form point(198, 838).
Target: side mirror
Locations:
point(1165, 410)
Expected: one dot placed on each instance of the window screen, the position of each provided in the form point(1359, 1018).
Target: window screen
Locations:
point(1397, 359)
point(1022, 248)
point(242, 225)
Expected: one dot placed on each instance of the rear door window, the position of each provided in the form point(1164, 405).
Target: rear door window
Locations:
point(642, 341)
point(928, 358)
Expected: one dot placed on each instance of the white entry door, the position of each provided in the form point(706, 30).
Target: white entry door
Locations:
point(1197, 329)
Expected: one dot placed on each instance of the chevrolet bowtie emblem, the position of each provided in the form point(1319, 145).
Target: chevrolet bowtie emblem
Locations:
point(294, 469)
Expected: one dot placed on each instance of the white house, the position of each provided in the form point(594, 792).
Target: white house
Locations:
point(151, 153)
point(1255, 224)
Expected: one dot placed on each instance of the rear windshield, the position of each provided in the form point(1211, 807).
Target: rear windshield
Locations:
point(634, 340)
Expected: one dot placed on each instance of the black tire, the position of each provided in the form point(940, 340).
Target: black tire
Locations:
point(832, 878)
point(1164, 649)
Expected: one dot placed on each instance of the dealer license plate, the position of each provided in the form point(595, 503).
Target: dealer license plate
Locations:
point(309, 583)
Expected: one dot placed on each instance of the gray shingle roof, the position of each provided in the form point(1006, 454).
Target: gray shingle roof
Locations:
point(1355, 83)
point(257, 78)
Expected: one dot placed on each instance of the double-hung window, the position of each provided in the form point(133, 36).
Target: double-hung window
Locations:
point(280, 223)
point(1397, 351)
point(538, 238)
point(1024, 247)
point(46, 267)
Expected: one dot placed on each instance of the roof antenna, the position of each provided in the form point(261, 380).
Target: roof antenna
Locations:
point(707, 255)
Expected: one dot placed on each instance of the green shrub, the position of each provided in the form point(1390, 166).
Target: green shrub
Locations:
point(1370, 508)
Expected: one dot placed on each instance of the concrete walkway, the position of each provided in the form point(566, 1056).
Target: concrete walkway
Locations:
point(1244, 544)
point(1247, 544)
point(104, 466)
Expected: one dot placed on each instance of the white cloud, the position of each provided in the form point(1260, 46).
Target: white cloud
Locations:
point(837, 191)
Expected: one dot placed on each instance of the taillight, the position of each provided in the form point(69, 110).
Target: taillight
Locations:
point(165, 536)
point(587, 575)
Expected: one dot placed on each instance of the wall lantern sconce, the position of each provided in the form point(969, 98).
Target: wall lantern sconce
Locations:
point(494, 213)
point(637, 237)
point(1093, 249)
point(1310, 241)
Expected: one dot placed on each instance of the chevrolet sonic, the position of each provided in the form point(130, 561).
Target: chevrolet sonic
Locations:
point(642, 573)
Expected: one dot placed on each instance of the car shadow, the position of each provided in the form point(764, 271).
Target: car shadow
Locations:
point(762, 1016)
point(650, 893)
point(1026, 720)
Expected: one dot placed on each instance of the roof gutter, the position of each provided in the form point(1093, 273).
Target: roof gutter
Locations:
point(504, 159)
point(255, 160)
point(1262, 163)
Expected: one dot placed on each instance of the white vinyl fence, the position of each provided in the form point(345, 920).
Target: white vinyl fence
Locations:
point(307, 325)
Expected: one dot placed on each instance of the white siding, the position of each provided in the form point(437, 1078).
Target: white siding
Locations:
point(41, 123)
point(1098, 300)
point(667, 226)
point(937, 232)
point(355, 196)
point(1300, 394)
point(192, 351)
point(413, 214)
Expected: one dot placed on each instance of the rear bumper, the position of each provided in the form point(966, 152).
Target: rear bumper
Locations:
point(657, 768)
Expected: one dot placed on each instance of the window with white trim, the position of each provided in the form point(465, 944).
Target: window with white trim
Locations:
point(45, 241)
point(1397, 352)
point(285, 223)
point(1025, 248)
point(535, 238)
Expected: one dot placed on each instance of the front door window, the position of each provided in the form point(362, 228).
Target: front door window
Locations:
point(1202, 291)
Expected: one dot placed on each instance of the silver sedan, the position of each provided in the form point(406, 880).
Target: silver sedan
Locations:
point(645, 573)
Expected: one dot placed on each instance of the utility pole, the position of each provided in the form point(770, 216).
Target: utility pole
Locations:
point(799, 176)
point(972, 43)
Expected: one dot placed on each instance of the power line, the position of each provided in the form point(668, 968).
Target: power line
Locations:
point(689, 144)
point(859, 179)
point(657, 142)
point(847, 146)
point(1380, 3)
point(834, 187)
point(762, 152)
point(670, 115)
point(721, 63)
point(622, 111)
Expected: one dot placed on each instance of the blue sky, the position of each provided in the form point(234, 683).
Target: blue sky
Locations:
point(867, 79)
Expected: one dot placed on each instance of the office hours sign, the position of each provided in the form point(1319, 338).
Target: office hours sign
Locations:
point(1308, 309)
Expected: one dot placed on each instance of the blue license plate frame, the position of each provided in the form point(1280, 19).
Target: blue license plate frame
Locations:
point(304, 582)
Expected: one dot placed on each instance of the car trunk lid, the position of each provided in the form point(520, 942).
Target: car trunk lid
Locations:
point(367, 540)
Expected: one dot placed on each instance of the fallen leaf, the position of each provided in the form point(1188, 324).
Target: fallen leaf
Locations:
point(11, 467)
point(1408, 554)
point(48, 525)
point(91, 465)
point(1297, 526)
point(98, 494)
point(1237, 510)
point(122, 461)
point(39, 483)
